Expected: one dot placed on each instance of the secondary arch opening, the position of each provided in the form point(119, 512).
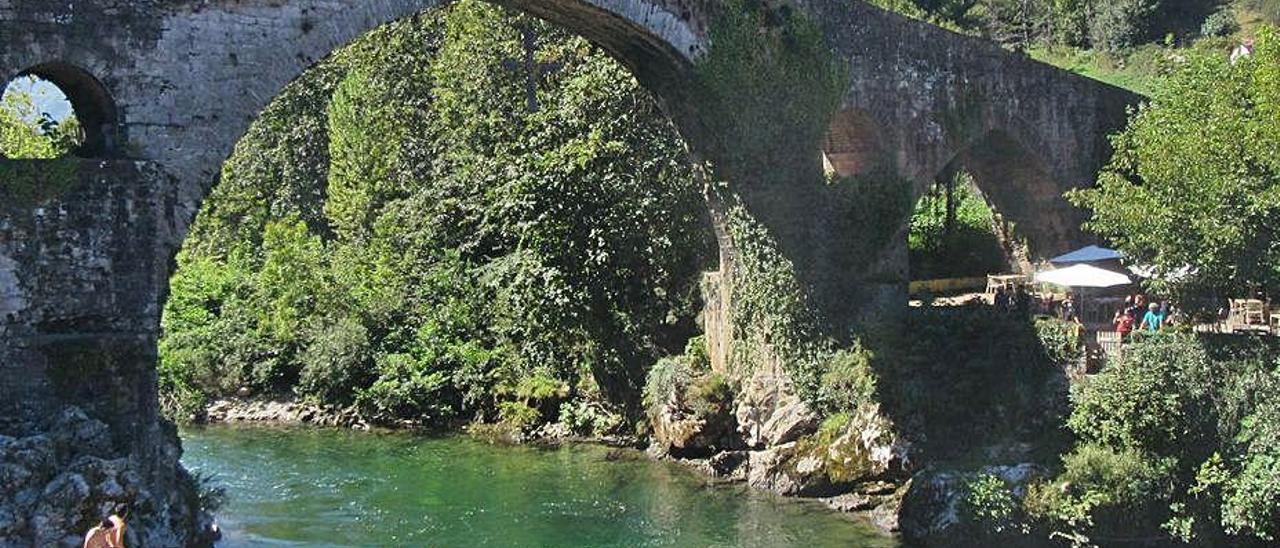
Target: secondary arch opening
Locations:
point(53, 110)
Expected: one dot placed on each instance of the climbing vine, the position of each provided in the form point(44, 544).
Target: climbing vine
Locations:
point(27, 183)
point(768, 89)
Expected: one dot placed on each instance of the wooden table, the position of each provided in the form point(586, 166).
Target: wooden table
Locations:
point(1007, 281)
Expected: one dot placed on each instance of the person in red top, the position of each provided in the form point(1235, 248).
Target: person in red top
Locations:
point(1124, 323)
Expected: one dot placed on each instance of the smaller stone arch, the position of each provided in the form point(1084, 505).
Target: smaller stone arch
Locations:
point(854, 144)
point(1019, 183)
point(90, 100)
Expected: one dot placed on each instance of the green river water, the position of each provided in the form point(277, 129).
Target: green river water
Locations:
point(311, 487)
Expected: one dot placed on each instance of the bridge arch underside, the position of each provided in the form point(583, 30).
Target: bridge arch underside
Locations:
point(1021, 189)
point(1015, 178)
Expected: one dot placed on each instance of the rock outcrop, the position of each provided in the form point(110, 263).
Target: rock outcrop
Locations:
point(771, 440)
point(283, 412)
point(769, 413)
point(60, 478)
point(931, 508)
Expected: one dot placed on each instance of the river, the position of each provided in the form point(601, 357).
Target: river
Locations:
point(329, 487)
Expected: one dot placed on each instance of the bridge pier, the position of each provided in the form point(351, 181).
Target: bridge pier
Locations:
point(79, 316)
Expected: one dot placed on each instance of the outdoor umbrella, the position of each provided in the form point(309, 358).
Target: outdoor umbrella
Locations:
point(1088, 254)
point(1082, 275)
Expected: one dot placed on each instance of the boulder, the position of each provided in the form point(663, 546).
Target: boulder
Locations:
point(681, 433)
point(864, 450)
point(768, 411)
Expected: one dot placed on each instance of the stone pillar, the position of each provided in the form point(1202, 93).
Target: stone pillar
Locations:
point(83, 262)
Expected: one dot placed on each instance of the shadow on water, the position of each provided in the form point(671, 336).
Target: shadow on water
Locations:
point(305, 487)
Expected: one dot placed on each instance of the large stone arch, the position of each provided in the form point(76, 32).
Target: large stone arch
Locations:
point(173, 86)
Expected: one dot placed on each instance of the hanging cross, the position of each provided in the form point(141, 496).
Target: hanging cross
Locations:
point(534, 71)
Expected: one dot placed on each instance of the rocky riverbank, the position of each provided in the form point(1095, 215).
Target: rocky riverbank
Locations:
point(246, 410)
point(861, 469)
point(60, 477)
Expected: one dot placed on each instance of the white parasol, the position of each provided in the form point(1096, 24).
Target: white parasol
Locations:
point(1082, 275)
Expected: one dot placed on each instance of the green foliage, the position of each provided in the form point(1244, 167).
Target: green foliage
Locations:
point(365, 132)
point(767, 90)
point(28, 183)
point(401, 231)
point(849, 380)
point(989, 502)
point(589, 418)
point(667, 379)
point(407, 387)
point(1118, 25)
point(28, 134)
point(687, 383)
point(1220, 23)
point(942, 246)
point(1268, 10)
point(1060, 340)
point(1252, 498)
point(960, 379)
point(1196, 176)
point(711, 396)
point(1152, 402)
point(518, 415)
point(771, 307)
point(1180, 435)
point(1103, 491)
point(336, 358)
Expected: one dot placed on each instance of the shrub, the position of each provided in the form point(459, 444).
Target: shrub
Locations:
point(962, 378)
point(1252, 498)
point(518, 415)
point(710, 395)
point(696, 352)
point(1060, 340)
point(589, 418)
point(1153, 400)
point(989, 502)
point(1103, 491)
point(335, 362)
point(849, 380)
point(666, 380)
point(407, 388)
point(1118, 25)
point(1179, 434)
point(1220, 23)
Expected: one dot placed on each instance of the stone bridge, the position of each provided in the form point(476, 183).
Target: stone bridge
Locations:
point(165, 88)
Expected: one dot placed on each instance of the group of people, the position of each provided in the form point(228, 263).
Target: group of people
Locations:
point(1016, 301)
point(1138, 314)
point(1021, 302)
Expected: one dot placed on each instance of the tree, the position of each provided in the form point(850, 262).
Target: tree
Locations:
point(402, 232)
point(1118, 25)
point(27, 133)
point(1195, 180)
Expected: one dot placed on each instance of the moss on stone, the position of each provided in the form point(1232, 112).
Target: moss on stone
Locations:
point(27, 183)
